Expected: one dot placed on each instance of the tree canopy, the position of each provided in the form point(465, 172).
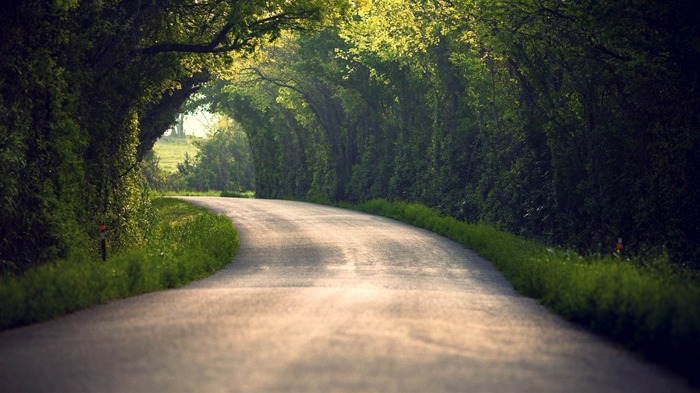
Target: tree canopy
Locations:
point(575, 122)
point(572, 122)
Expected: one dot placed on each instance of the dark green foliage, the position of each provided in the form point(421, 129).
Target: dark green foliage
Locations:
point(184, 244)
point(40, 142)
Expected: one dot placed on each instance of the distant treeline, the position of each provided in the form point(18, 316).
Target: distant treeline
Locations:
point(576, 123)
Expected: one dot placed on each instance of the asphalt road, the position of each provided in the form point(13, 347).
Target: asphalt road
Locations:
point(325, 300)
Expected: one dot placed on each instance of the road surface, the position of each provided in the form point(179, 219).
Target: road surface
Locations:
point(325, 300)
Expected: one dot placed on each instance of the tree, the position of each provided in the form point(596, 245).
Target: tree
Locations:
point(87, 87)
point(223, 161)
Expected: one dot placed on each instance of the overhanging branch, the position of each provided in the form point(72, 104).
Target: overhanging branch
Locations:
point(219, 44)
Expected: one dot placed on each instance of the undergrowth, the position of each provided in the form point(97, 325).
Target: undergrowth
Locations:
point(653, 311)
point(186, 243)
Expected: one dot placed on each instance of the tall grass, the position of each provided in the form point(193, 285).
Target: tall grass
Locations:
point(186, 243)
point(210, 193)
point(653, 311)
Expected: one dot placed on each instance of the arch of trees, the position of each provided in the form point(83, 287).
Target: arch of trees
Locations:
point(87, 87)
point(571, 121)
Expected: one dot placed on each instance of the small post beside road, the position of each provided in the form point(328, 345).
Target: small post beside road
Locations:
point(103, 240)
point(619, 246)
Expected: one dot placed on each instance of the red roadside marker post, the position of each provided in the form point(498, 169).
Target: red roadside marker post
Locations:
point(619, 246)
point(103, 240)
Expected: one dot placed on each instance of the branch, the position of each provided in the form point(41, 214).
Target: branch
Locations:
point(558, 14)
point(315, 105)
point(157, 118)
point(275, 81)
point(255, 29)
point(604, 50)
point(210, 47)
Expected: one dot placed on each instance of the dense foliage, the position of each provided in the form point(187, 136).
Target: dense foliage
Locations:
point(86, 87)
point(575, 122)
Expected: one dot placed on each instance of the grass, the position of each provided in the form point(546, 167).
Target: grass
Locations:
point(171, 151)
point(233, 194)
point(211, 193)
point(653, 311)
point(186, 243)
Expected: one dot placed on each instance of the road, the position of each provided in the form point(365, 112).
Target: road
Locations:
point(325, 300)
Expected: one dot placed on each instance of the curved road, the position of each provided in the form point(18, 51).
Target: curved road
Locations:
point(325, 300)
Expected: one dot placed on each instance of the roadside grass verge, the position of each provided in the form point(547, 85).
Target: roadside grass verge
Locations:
point(651, 310)
point(211, 193)
point(235, 194)
point(186, 243)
